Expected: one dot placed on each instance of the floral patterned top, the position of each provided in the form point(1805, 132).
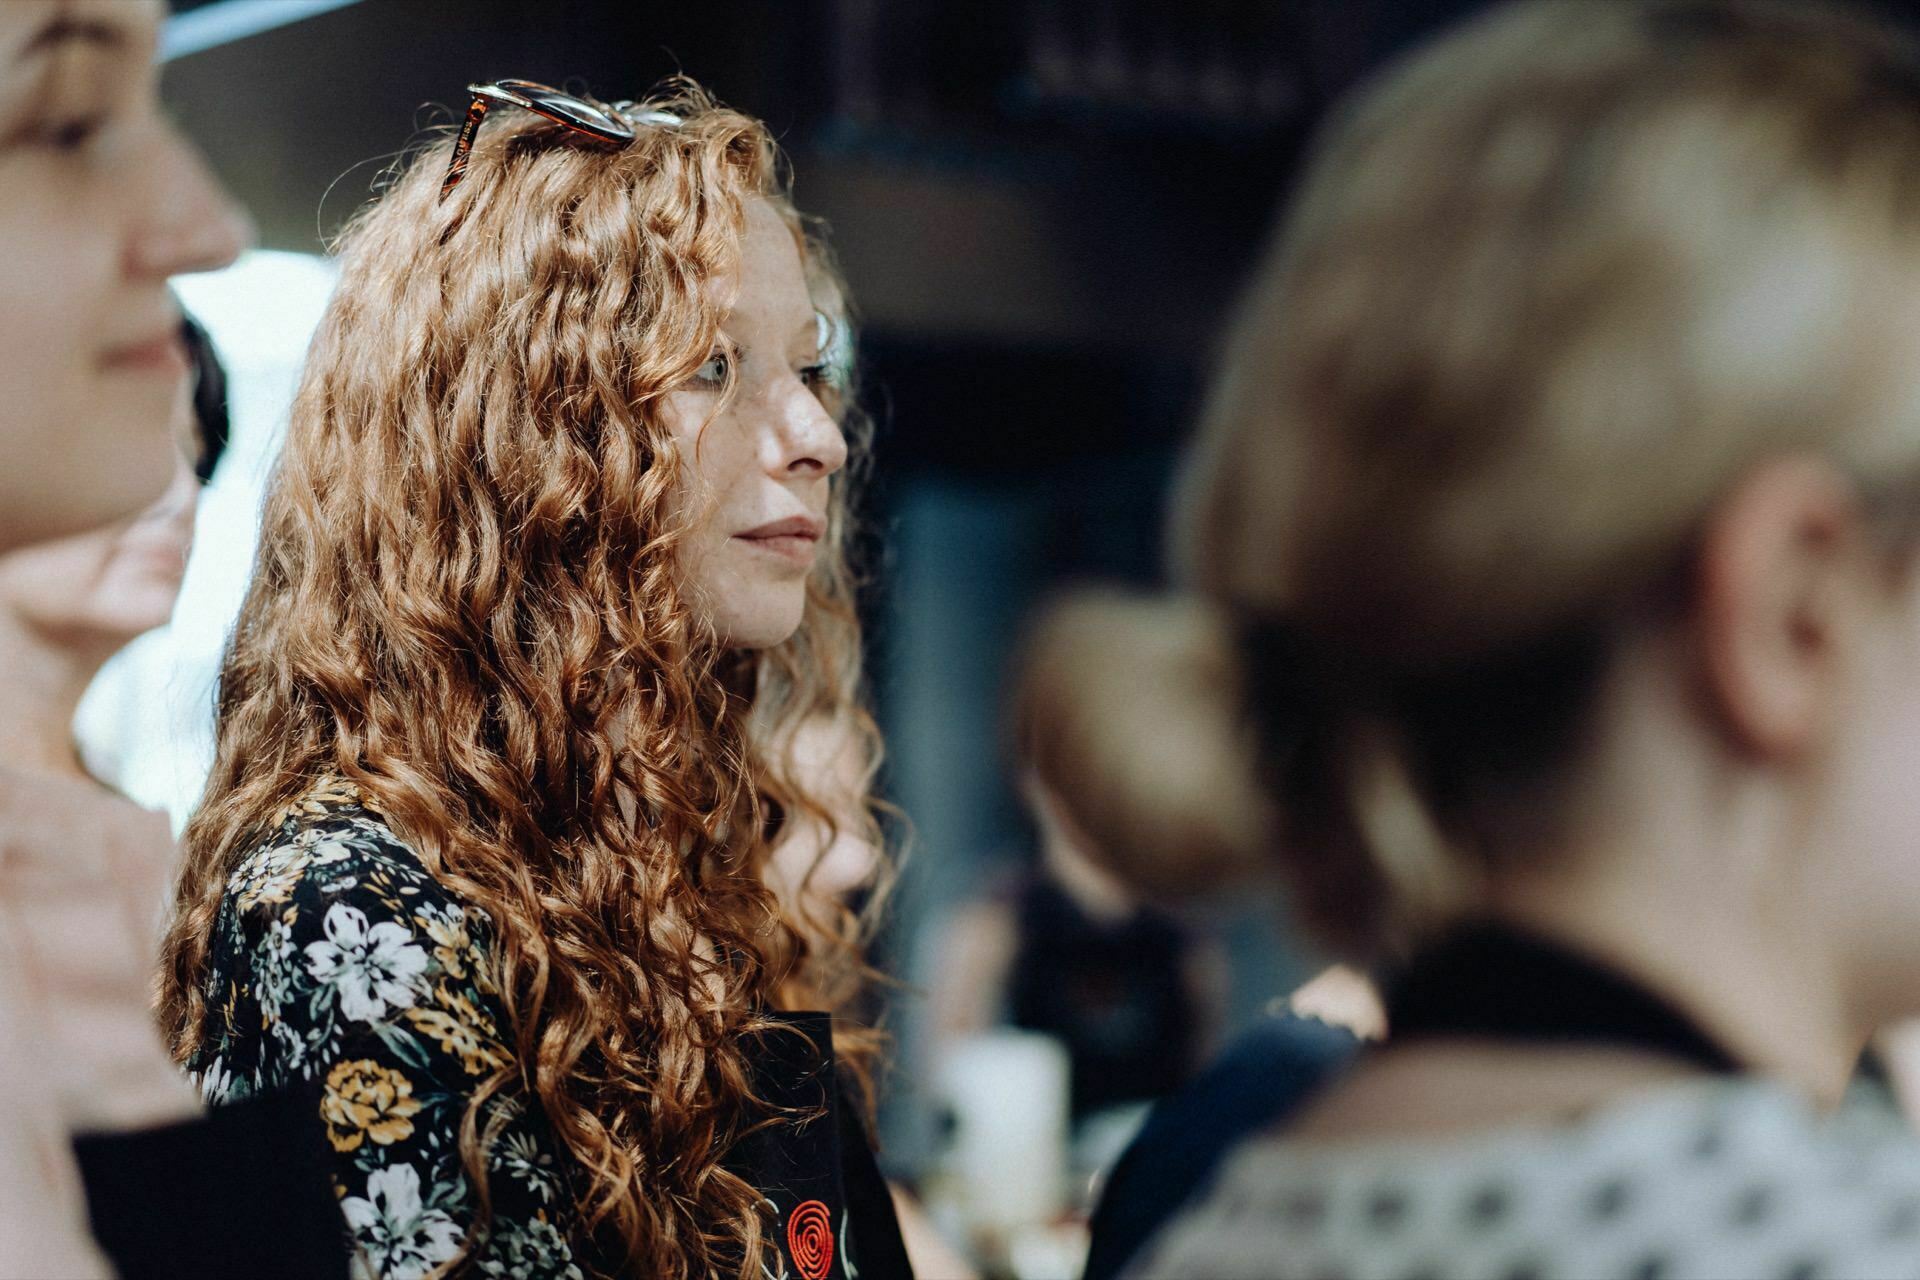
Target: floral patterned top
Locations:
point(340, 966)
point(338, 961)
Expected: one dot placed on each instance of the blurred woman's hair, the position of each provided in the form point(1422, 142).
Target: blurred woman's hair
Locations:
point(1128, 709)
point(1550, 286)
point(466, 605)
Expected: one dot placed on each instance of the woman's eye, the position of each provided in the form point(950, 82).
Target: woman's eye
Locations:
point(714, 372)
point(817, 376)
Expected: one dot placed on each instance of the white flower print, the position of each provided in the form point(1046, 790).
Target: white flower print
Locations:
point(269, 875)
point(328, 852)
point(534, 1248)
point(216, 1082)
point(274, 968)
point(291, 1048)
point(335, 946)
point(371, 969)
point(522, 1158)
point(403, 1239)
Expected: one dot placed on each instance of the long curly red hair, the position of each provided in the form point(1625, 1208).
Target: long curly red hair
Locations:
point(466, 604)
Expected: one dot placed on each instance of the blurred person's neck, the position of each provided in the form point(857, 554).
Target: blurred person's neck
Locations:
point(1768, 996)
point(1684, 874)
point(41, 684)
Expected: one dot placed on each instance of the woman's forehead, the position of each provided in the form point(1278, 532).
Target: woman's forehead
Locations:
point(770, 295)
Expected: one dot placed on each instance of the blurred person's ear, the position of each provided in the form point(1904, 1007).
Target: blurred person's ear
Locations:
point(1785, 581)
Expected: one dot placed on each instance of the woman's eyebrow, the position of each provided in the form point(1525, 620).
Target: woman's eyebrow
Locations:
point(66, 27)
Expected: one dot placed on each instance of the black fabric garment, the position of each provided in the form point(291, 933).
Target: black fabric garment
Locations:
point(1114, 992)
point(817, 1170)
point(1492, 980)
point(240, 1193)
point(1259, 1080)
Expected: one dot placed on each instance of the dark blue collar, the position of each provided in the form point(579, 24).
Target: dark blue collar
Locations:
point(1493, 981)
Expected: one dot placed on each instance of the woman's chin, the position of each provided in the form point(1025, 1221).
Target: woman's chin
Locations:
point(762, 624)
point(136, 610)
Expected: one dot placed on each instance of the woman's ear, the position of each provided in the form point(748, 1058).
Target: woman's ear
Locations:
point(1783, 594)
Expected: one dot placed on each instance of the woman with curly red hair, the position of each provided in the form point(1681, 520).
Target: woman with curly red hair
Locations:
point(563, 504)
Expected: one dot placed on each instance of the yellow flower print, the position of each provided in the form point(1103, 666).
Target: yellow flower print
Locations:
point(366, 1100)
point(326, 794)
point(449, 933)
point(482, 962)
point(460, 1030)
point(270, 875)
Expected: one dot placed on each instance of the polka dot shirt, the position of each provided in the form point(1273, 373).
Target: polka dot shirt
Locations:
point(1701, 1181)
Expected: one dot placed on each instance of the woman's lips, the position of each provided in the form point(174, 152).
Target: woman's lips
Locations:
point(162, 355)
point(793, 540)
point(799, 550)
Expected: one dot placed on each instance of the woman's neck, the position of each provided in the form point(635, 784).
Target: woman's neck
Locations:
point(1757, 982)
point(41, 689)
point(1765, 1000)
point(1681, 865)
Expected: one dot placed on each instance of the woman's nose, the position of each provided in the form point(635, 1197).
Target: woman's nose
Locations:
point(188, 223)
point(812, 440)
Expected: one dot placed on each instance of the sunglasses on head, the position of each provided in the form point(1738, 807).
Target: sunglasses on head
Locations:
point(589, 119)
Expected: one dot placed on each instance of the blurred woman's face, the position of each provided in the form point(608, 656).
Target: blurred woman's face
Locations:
point(95, 591)
point(810, 864)
point(100, 202)
point(1864, 859)
point(758, 469)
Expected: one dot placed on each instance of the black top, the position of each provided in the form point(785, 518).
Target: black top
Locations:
point(1114, 992)
point(235, 1195)
point(338, 961)
point(1499, 982)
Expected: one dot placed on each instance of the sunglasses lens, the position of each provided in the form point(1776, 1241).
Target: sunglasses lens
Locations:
point(568, 109)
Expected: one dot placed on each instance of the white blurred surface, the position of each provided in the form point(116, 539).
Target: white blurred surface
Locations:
point(146, 724)
point(1007, 1164)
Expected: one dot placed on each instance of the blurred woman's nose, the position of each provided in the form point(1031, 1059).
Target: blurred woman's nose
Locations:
point(187, 223)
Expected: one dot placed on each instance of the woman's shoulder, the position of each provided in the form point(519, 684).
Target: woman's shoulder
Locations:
point(331, 847)
point(333, 931)
point(333, 922)
point(1698, 1179)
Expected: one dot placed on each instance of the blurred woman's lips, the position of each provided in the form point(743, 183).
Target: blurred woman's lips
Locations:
point(793, 539)
point(165, 354)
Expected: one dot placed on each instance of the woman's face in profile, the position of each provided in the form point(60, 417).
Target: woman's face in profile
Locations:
point(758, 466)
point(100, 202)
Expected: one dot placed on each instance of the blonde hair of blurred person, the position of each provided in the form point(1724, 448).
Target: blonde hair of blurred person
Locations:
point(1407, 465)
point(1562, 482)
point(1150, 771)
point(100, 202)
point(1127, 711)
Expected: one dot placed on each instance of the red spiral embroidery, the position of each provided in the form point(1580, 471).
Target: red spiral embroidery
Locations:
point(810, 1240)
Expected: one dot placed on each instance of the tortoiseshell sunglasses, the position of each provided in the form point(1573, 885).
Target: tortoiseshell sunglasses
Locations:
point(586, 118)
